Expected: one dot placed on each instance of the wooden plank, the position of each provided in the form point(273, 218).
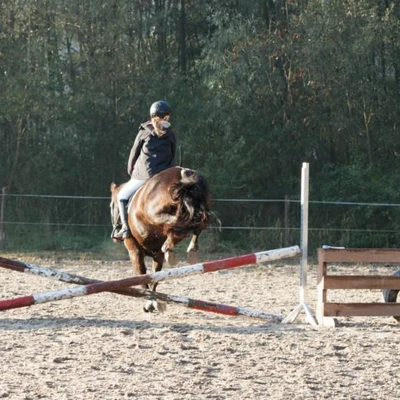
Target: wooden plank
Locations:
point(322, 270)
point(361, 309)
point(361, 282)
point(321, 292)
point(360, 255)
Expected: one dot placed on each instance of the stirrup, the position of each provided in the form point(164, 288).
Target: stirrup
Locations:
point(125, 232)
point(115, 231)
point(116, 235)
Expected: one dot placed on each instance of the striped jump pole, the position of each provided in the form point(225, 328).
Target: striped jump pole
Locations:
point(61, 276)
point(201, 305)
point(98, 287)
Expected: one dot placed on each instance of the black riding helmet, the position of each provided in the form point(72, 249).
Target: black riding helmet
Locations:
point(160, 109)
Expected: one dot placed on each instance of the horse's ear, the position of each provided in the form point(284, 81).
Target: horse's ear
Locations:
point(112, 187)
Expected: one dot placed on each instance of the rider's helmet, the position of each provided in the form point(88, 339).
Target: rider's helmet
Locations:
point(160, 109)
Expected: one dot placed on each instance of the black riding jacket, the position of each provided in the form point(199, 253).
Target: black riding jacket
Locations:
point(151, 154)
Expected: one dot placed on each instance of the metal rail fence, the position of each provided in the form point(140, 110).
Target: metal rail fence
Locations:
point(339, 222)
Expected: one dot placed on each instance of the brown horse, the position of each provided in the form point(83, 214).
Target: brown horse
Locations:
point(166, 209)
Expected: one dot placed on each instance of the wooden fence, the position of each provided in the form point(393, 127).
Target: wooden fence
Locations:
point(326, 311)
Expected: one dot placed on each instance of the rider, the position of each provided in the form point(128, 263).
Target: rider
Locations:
point(152, 152)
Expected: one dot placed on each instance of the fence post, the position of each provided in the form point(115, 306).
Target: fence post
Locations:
point(287, 238)
point(2, 208)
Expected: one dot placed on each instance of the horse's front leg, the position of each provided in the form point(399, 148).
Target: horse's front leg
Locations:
point(152, 304)
point(136, 256)
point(168, 249)
point(192, 249)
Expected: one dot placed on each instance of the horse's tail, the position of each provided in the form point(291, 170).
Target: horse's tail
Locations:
point(191, 195)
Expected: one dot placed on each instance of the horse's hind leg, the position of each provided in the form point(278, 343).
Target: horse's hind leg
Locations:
point(137, 258)
point(158, 261)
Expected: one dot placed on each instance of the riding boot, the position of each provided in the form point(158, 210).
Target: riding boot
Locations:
point(123, 212)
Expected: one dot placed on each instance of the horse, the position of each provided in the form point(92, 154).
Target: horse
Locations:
point(169, 207)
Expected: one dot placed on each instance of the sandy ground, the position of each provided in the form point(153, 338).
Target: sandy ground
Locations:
point(105, 347)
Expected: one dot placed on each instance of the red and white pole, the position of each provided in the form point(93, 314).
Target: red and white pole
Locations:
point(98, 287)
point(135, 292)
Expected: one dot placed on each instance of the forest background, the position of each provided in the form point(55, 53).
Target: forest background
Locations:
point(257, 88)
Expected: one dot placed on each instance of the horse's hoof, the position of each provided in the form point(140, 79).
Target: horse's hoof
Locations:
point(150, 306)
point(192, 257)
point(171, 258)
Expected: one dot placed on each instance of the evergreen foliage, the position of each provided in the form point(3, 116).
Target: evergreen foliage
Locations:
point(257, 88)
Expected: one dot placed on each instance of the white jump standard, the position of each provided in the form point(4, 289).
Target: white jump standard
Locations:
point(304, 251)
